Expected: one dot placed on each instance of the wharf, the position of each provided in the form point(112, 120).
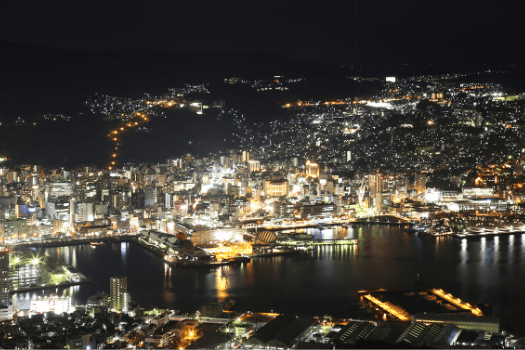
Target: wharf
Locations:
point(479, 232)
point(52, 273)
point(333, 242)
point(382, 222)
point(51, 286)
point(491, 231)
point(208, 263)
point(401, 304)
point(152, 248)
point(299, 226)
point(64, 242)
point(315, 242)
point(267, 254)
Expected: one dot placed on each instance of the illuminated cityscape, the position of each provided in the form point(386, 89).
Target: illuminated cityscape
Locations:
point(332, 164)
point(272, 175)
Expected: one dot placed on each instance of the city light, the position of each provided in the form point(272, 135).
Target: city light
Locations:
point(421, 156)
point(457, 302)
point(391, 309)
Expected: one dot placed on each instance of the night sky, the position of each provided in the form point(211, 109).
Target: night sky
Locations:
point(358, 31)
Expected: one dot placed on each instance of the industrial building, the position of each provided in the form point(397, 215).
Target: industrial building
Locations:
point(284, 331)
point(481, 324)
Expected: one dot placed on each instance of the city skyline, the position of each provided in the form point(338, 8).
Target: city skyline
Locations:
point(246, 168)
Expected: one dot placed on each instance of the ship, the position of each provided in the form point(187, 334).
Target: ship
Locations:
point(212, 262)
point(94, 244)
point(416, 228)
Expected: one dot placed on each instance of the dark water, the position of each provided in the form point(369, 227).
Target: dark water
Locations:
point(322, 281)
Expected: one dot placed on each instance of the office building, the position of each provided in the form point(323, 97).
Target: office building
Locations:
point(312, 170)
point(255, 165)
point(245, 156)
point(276, 187)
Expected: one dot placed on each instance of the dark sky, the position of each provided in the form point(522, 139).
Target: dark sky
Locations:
point(441, 31)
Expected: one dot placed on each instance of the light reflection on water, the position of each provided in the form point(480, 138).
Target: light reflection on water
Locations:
point(324, 280)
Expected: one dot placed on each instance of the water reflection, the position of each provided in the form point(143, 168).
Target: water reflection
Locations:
point(74, 260)
point(332, 232)
point(496, 250)
point(65, 257)
point(326, 278)
point(123, 252)
point(222, 282)
point(463, 254)
point(167, 275)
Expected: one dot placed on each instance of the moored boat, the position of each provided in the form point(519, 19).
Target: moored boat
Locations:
point(212, 262)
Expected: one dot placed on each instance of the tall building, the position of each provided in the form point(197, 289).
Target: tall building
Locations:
point(376, 191)
point(255, 165)
point(119, 296)
point(420, 182)
point(276, 187)
point(137, 199)
point(5, 307)
point(245, 156)
point(150, 196)
point(312, 169)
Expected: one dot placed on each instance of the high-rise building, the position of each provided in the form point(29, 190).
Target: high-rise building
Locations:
point(375, 183)
point(5, 306)
point(245, 156)
point(137, 199)
point(275, 187)
point(420, 182)
point(119, 293)
point(150, 196)
point(312, 169)
point(255, 165)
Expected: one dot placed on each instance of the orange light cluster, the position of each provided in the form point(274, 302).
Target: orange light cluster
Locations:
point(231, 250)
point(391, 309)
point(457, 302)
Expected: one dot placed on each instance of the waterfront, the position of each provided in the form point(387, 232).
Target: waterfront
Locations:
point(324, 280)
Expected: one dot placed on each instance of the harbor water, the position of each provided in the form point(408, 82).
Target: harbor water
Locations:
point(323, 280)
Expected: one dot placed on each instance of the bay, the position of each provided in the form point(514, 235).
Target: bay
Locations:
point(322, 281)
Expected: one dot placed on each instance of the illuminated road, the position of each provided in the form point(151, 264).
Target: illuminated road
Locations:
point(115, 135)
